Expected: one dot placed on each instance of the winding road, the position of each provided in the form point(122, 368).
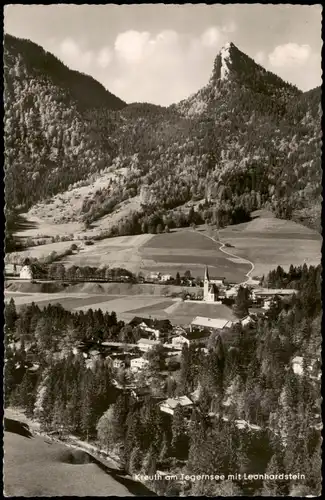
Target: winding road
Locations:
point(222, 247)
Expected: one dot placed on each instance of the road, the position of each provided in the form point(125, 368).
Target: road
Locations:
point(222, 247)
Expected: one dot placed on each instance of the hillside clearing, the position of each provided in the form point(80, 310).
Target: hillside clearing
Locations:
point(270, 242)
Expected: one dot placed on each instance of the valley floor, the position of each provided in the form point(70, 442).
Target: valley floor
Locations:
point(265, 243)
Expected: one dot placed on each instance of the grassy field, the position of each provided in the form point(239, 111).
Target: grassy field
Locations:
point(126, 306)
point(35, 466)
point(266, 241)
point(68, 302)
point(182, 313)
point(190, 250)
point(270, 242)
point(123, 304)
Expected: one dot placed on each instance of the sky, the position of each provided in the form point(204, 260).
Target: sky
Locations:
point(163, 53)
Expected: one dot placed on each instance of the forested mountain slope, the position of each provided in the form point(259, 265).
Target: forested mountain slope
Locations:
point(246, 140)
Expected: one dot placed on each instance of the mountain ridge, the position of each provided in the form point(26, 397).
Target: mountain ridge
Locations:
point(239, 143)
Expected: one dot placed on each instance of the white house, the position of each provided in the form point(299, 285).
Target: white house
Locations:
point(267, 304)
point(179, 341)
point(152, 331)
point(138, 364)
point(26, 273)
point(146, 344)
point(169, 405)
point(246, 321)
point(118, 363)
point(218, 281)
point(165, 277)
point(297, 365)
point(231, 293)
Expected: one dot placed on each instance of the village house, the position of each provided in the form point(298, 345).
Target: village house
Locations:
point(218, 281)
point(154, 276)
point(197, 337)
point(138, 364)
point(146, 344)
point(191, 338)
point(231, 293)
point(26, 273)
point(118, 363)
point(140, 392)
point(151, 332)
point(165, 277)
point(247, 320)
point(178, 341)
point(267, 304)
point(150, 327)
point(169, 405)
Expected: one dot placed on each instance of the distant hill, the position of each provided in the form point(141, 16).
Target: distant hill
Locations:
point(246, 140)
point(83, 89)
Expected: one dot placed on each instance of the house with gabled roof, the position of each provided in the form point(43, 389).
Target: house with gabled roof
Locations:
point(169, 405)
point(147, 344)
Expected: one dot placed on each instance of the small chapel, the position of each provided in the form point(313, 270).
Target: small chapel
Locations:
point(210, 290)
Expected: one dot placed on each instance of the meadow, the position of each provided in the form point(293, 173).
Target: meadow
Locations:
point(270, 242)
point(126, 307)
point(265, 241)
point(35, 466)
point(183, 250)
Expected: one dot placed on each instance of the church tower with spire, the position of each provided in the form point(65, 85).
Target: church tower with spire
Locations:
point(210, 293)
point(206, 283)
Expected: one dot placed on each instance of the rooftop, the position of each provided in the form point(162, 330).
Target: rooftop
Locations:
point(148, 341)
point(275, 291)
point(182, 400)
point(218, 323)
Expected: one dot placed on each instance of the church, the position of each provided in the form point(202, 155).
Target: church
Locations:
point(210, 290)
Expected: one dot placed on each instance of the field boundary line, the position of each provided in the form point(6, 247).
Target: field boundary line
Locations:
point(222, 249)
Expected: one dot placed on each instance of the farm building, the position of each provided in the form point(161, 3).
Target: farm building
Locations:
point(26, 273)
point(265, 293)
point(146, 344)
point(216, 324)
point(169, 405)
point(139, 363)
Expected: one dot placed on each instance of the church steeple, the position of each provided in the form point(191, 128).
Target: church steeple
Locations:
point(206, 274)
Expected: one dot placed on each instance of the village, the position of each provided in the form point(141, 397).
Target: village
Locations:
point(158, 351)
